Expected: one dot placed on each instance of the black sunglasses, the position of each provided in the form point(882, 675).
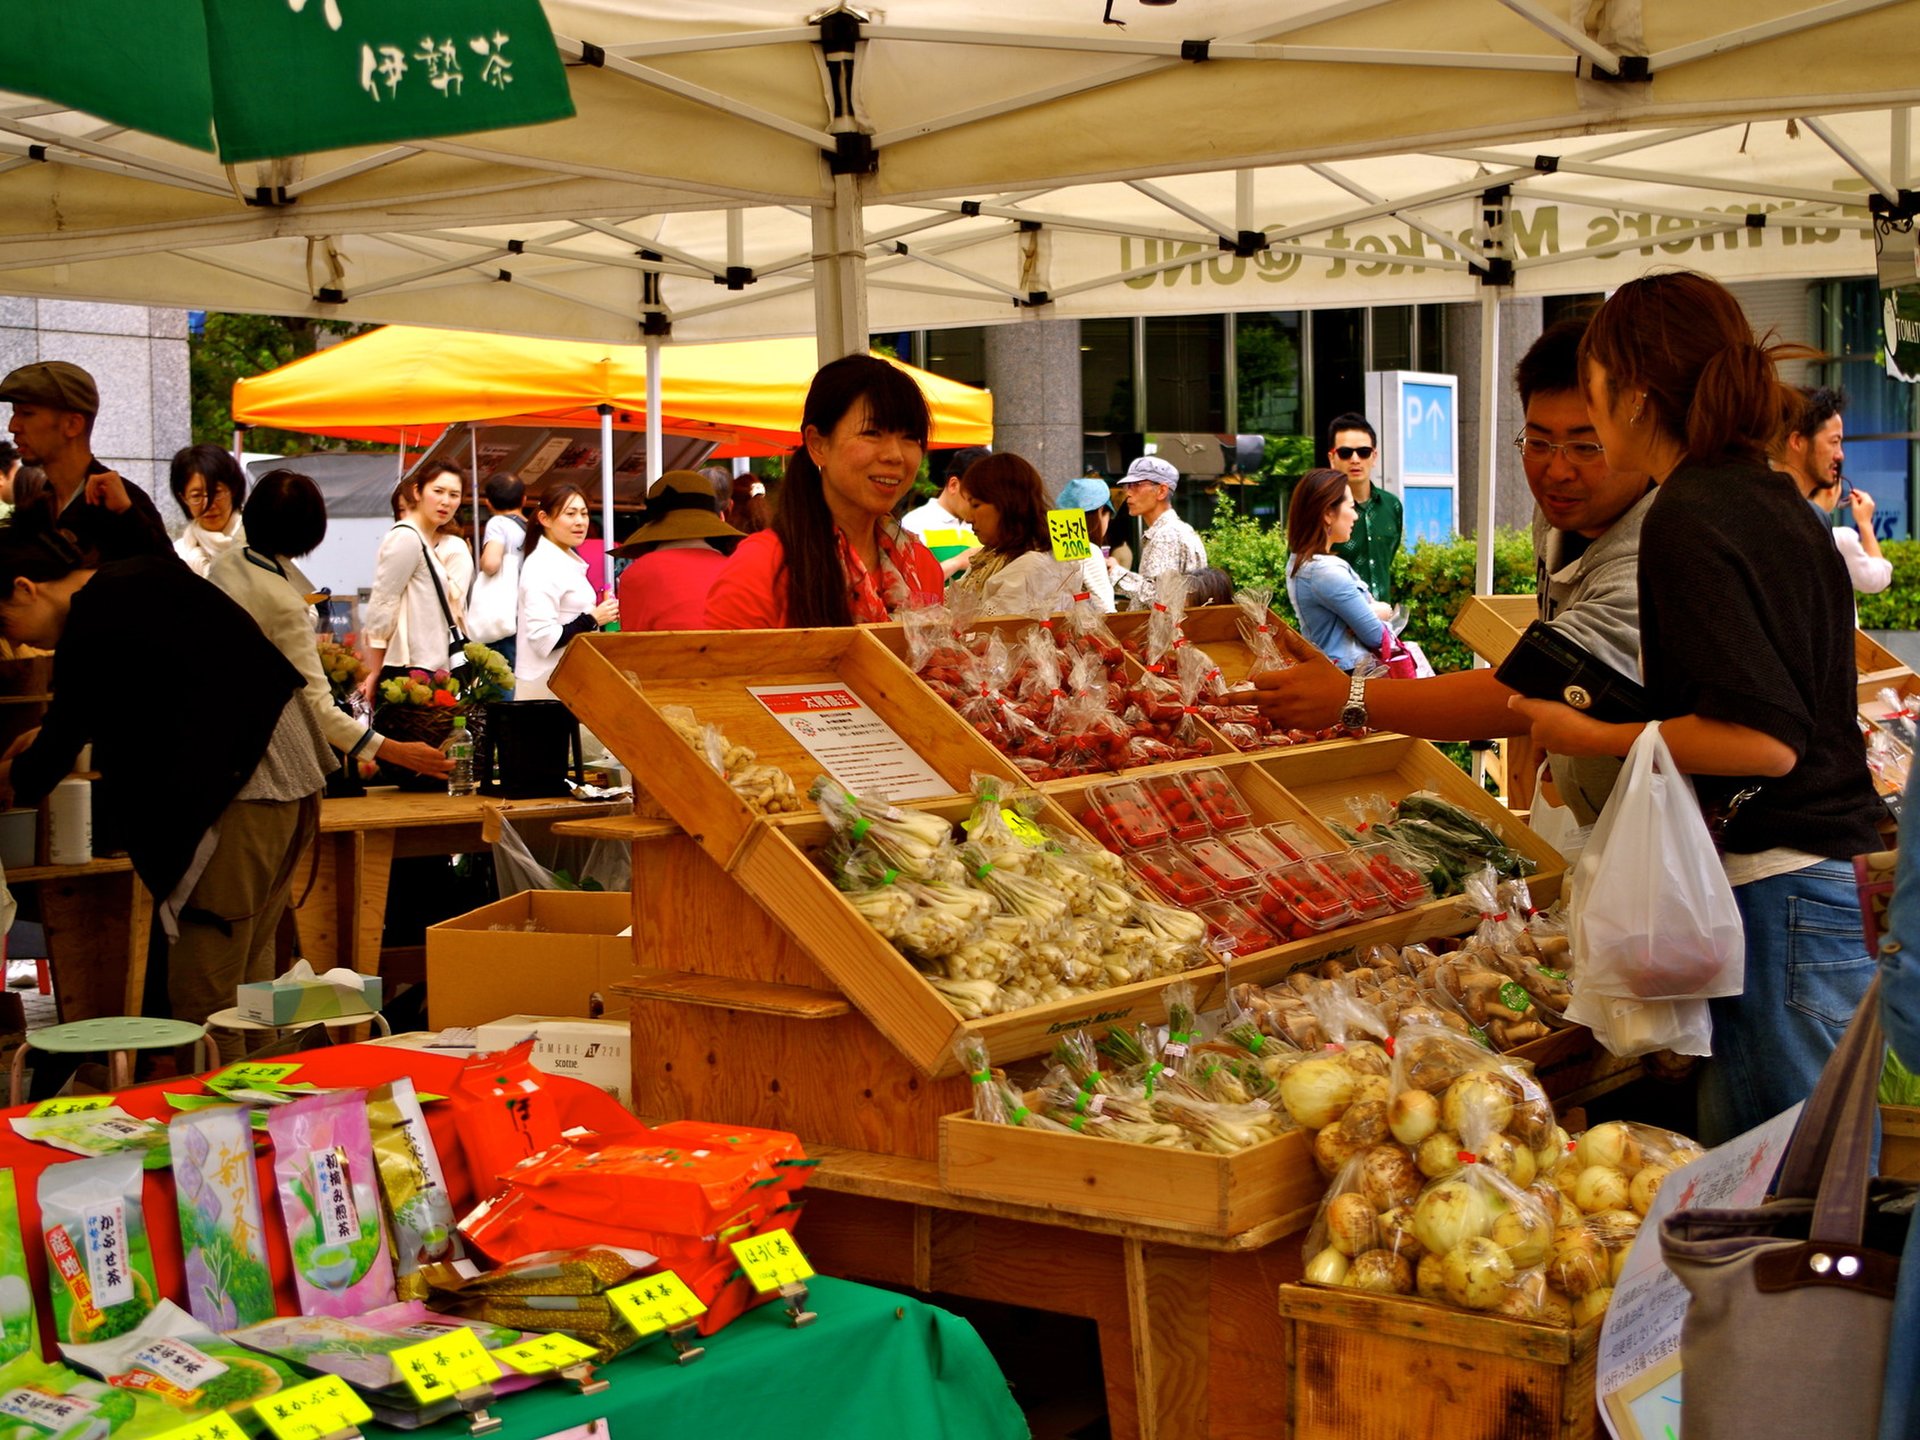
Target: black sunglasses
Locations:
point(1348, 452)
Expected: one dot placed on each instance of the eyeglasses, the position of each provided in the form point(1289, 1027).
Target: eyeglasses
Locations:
point(1578, 452)
point(1350, 452)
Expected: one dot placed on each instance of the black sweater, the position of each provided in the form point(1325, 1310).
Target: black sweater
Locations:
point(177, 690)
point(1746, 616)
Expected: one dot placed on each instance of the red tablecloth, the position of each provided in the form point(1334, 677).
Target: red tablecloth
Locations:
point(338, 1067)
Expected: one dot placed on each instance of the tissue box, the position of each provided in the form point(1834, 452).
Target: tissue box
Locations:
point(294, 999)
point(596, 1051)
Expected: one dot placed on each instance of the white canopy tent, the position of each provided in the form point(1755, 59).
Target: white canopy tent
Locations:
point(742, 168)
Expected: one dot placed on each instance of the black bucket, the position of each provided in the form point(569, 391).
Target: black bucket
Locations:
point(532, 746)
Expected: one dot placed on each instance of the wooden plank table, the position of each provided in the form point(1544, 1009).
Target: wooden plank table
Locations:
point(344, 913)
point(96, 917)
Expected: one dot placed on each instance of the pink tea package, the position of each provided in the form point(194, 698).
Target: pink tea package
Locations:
point(329, 1191)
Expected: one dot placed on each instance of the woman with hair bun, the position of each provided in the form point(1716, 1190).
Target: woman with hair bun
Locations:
point(1746, 628)
point(835, 555)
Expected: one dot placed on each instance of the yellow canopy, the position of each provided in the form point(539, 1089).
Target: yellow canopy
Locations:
point(404, 385)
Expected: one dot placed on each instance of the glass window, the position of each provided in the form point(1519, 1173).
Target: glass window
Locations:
point(958, 354)
point(1267, 353)
point(1106, 375)
point(1186, 373)
point(1555, 308)
point(1392, 337)
point(1339, 365)
point(1432, 340)
point(1882, 418)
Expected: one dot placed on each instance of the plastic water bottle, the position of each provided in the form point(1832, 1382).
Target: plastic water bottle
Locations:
point(459, 749)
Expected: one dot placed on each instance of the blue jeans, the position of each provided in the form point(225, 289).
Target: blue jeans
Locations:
point(1807, 969)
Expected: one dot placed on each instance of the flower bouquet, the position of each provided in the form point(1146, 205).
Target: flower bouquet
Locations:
point(342, 666)
point(421, 704)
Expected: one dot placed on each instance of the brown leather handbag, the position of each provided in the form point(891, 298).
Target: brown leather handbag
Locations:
point(1792, 1302)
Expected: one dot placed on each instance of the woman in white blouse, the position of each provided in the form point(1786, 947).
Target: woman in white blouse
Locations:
point(210, 487)
point(412, 595)
point(556, 596)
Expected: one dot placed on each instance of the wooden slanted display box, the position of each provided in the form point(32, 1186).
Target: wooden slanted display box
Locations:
point(1084, 1175)
point(1361, 1366)
point(1491, 625)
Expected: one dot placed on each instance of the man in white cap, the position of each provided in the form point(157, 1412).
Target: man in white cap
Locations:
point(1167, 543)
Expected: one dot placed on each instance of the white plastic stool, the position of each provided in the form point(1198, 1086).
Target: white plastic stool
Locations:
point(229, 1019)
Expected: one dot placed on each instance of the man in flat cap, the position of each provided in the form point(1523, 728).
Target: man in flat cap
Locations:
point(54, 405)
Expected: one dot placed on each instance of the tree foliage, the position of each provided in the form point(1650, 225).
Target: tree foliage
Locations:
point(237, 347)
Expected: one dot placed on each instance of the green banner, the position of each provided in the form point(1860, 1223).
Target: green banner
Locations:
point(1900, 324)
point(289, 77)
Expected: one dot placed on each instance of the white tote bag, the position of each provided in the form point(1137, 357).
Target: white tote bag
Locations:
point(1653, 917)
point(493, 604)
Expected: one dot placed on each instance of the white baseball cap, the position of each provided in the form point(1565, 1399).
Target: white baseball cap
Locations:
point(1150, 470)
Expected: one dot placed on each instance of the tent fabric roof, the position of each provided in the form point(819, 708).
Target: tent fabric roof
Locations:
point(1291, 128)
point(404, 385)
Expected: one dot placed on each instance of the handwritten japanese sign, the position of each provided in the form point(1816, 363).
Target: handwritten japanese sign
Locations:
point(658, 1302)
point(541, 1353)
point(333, 1207)
point(217, 1426)
point(314, 1410)
point(68, 1105)
point(1067, 529)
point(771, 1260)
point(441, 1368)
point(251, 1073)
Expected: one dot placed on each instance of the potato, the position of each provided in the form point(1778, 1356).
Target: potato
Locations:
point(1351, 1227)
point(1611, 1144)
point(1365, 1122)
point(1576, 1263)
point(1316, 1092)
point(1600, 1187)
point(1388, 1177)
point(1523, 1169)
point(1329, 1267)
point(1532, 1122)
point(1450, 1212)
point(1382, 1272)
point(1397, 1233)
point(1430, 1278)
point(1438, 1155)
point(1500, 1153)
point(1365, 1057)
point(1615, 1229)
point(1332, 1150)
point(1413, 1116)
point(1373, 1087)
point(1525, 1234)
point(1644, 1186)
point(1476, 1104)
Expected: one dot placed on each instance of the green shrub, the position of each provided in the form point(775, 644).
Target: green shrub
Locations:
point(1435, 580)
point(1898, 606)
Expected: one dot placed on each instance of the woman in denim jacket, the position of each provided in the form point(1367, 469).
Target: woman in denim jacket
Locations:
point(1338, 614)
point(1900, 1016)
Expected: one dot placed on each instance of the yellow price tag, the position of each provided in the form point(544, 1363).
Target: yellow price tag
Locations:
point(771, 1260)
point(538, 1354)
point(250, 1073)
point(1067, 529)
point(314, 1410)
point(217, 1426)
point(948, 540)
point(657, 1302)
point(69, 1105)
point(441, 1368)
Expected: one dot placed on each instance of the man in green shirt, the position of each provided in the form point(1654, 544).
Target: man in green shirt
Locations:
point(1353, 450)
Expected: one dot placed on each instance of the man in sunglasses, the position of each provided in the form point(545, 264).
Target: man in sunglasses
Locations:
point(1586, 540)
point(1353, 449)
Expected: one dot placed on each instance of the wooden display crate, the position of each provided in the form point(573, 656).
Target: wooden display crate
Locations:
point(1878, 667)
point(1900, 1142)
point(1491, 625)
point(1381, 1367)
point(709, 672)
point(1086, 1175)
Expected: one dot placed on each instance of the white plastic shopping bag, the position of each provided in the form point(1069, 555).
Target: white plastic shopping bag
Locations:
point(1653, 917)
point(1556, 824)
point(1638, 1027)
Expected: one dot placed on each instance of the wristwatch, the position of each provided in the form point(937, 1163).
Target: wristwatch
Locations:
point(1354, 714)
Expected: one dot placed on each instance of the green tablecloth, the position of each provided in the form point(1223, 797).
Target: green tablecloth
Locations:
point(874, 1365)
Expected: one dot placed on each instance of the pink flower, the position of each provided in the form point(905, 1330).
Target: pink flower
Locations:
point(440, 677)
point(419, 675)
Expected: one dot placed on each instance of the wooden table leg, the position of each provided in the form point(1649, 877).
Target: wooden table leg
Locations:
point(318, 915)
point(1168, 1298)
point(373, 864)
point(345, 913)
point(90, 922)
point(139, 928)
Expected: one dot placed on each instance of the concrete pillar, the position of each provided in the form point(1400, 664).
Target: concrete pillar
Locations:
point(1033, 369)
point(1520, 325)
point(138, 358)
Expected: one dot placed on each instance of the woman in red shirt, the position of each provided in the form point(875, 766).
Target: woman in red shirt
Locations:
point(676, 556)
point(834, 555)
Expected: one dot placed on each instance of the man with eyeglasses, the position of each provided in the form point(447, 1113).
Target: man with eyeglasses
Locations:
point(1353, 449)
point(1586, 541)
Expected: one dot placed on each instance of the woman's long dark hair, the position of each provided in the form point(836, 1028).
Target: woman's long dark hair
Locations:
point(551, 502)
point(816, 584)
point(1318, 492)
point(1012, 486)
point(1684, 340)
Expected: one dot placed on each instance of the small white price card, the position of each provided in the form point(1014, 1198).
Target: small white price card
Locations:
point(540, 1353)
point(854, 745)
point(771, 1260)
point(1067, 529)
point(657, 1302)
point(441, 1368)
point(314, 1410)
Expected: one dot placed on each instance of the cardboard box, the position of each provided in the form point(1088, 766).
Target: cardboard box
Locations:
point(488, 963)
point(596, 1051)
point(297, 998)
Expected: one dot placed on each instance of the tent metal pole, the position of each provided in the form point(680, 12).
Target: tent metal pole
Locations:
point(656, 435)
point(473, 471)
point(1490, 371)
point(839, 270)
point(1900, 146)
point(607, 539)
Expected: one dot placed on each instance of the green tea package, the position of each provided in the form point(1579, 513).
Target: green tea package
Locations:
point(39, 1401)
point(415, 1188)
point(175, 1358)
point(100, 1269)
point(223, 1238)
point(330, 1203)
point(106, 1131)
point(19, 1325)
